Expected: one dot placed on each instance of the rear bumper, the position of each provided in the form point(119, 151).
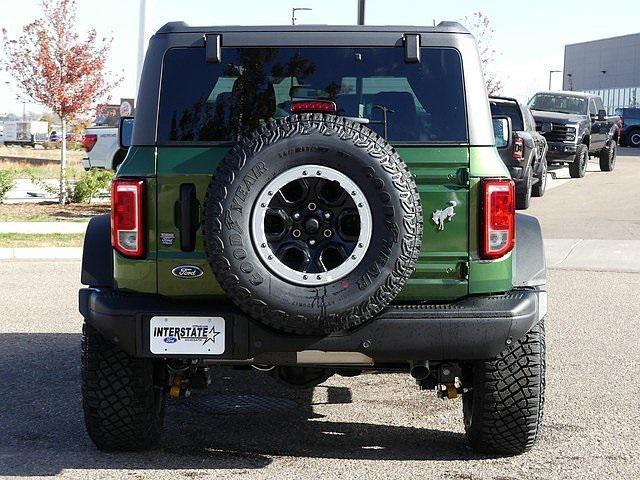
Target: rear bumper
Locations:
point(468, 329)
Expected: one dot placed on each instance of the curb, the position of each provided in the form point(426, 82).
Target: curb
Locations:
point(41, 253)
point(43, 228)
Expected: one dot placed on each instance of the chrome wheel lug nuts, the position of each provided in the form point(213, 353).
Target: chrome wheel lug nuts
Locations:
point(296, 233)
point(327, 215)
point(327, 233)
point(296, 216)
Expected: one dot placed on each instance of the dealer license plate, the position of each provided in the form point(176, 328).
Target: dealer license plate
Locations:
point(187, 335)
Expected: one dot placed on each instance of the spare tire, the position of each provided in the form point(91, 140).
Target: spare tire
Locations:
point(312, 224)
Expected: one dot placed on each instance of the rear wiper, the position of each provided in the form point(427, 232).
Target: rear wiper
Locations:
point(383, 122)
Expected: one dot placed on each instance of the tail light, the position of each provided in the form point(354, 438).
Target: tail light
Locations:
point(88, 141)
point(498, 217)
point(310, 106)
point(518, 148)
point(127, 217)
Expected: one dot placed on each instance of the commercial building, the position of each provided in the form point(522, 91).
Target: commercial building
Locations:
point(609, 68)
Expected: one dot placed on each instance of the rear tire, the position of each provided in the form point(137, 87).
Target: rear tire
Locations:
point(123, 397)
point(578, 168)
point(524, 190)
point(608, 157)
point(634, 138)
point(541, 185)
point(503, 411)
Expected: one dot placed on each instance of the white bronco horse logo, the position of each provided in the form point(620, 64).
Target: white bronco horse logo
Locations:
point(439, 216)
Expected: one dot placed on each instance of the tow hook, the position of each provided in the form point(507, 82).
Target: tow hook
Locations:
point(451, 390)
point(448, 391)
point(179, 387)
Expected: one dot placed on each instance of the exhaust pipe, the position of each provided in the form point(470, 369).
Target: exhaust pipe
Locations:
point(419, 369)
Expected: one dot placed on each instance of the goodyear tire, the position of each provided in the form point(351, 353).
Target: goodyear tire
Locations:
point(503, 409)
point(123, 397)
point(608, 157)
point(312, 224)
point(578, 168)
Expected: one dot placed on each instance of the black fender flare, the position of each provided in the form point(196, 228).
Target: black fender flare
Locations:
point(529, 262)
point(97, 254)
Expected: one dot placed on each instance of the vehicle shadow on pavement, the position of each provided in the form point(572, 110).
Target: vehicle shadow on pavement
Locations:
point(240, 422)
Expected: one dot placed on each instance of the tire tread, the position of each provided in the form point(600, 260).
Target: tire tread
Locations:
point(508, 397)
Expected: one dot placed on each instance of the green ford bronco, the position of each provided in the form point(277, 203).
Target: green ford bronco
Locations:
point(310, 201)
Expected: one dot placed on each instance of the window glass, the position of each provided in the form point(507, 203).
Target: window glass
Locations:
point(599, 105)
point(212, 102)
point(550, 102)
point(511, 110)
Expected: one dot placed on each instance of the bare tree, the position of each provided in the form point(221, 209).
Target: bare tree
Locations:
point(51, 64)
point(480, 27)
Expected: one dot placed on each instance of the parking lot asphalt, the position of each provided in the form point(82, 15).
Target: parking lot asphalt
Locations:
point(373, 426)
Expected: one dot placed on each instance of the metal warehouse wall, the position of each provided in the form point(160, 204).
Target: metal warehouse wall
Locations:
point(618, 57)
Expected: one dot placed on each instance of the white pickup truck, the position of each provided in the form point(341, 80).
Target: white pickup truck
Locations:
point(102, 147)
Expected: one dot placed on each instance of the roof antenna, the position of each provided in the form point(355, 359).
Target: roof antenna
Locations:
point(361, 12)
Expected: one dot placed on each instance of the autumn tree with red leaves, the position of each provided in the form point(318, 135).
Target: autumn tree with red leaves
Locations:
point(51, 64)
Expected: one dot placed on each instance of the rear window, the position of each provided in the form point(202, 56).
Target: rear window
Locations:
point(511, 110)
point(218, 102)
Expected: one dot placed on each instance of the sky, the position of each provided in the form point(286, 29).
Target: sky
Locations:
point(529, 36)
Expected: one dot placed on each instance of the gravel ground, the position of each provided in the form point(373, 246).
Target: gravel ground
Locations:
point(373, 426)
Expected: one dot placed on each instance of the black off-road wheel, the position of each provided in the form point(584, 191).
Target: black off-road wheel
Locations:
point(608, 157)
point(503, 410)
point(312, 224)
point(541, 185)
point(123, 397)
point(578, 168)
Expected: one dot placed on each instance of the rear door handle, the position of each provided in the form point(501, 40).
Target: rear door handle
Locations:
point(189, 212)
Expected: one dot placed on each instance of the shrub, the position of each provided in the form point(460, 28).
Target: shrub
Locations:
point(83, 188)
point(90, 184)
point(7, 182)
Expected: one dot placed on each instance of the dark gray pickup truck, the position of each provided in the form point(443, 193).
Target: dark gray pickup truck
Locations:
point(576, 126)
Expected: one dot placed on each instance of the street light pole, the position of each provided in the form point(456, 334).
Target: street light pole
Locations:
point(142, 31)
point(551, 72)
point(570, 75)
point(361, 7)
point(293, 13)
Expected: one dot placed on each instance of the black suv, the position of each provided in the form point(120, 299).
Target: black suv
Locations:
point(526, 155)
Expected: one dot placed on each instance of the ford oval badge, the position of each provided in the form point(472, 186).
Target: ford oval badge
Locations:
point(187, 271)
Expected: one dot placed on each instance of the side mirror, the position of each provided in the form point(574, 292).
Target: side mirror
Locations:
point(125, 129)
point(502, 131)
point(602, 115)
